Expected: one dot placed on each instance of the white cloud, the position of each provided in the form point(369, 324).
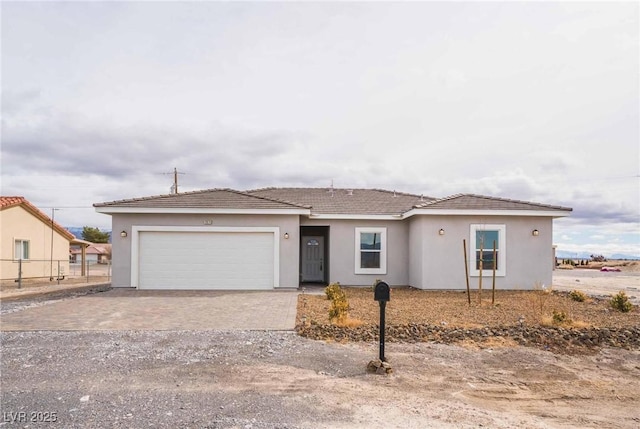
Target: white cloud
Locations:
point(533, 101)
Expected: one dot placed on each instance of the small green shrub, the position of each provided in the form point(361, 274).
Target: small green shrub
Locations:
point(332, 290)
point(620, 302)
point(577, 295)
point(538, 299)
point(559, 317)
point(339, 310)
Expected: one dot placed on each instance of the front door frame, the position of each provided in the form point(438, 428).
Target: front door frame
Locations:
point(315, 231)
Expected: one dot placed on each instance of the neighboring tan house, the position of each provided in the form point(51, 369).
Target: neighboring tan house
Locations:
point(99, 253)
point(29, 235)
point(283, 237)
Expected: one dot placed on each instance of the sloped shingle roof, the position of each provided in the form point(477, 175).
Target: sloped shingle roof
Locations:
point(345, 201)
point(210, 198)
point(329, 201)
point(481, 202)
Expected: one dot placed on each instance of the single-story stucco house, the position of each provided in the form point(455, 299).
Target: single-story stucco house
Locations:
point(32, 245)
point(94, 253)
point(284, 237)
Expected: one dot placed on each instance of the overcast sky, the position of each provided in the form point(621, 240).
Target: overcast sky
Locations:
point(535, 101)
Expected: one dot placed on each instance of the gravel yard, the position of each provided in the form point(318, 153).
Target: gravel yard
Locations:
point(451, 308)
point(178, 379)
point(258, 379)
point(542, 318)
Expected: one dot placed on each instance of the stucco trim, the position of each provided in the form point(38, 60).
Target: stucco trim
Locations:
point(443, 212)
point(135, 244)
point(356, 217)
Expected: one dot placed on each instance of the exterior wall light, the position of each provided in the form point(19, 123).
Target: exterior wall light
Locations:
point(123, 234)
point(535, 233)
point(441, 232)
point(286, 235)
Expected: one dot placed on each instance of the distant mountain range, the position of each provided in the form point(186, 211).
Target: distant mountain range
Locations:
point(587, 255)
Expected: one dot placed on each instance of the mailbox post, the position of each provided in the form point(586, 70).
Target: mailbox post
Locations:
point(382, 295)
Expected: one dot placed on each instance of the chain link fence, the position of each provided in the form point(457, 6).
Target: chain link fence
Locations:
point(40, 272)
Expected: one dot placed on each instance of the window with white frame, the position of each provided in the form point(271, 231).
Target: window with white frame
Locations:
point(21, 249)
point(371, 251)
point(483, 239)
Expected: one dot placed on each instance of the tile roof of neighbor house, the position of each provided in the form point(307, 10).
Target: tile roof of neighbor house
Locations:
point(345, 201)
point(8, 202)
point(93, 249)
point(209, 198)
point(481, 202)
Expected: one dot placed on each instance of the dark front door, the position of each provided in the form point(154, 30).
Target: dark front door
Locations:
point(313, 264)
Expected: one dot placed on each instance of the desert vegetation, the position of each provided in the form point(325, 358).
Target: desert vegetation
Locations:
point(563, 321)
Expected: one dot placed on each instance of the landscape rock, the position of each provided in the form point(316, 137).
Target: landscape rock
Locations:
point(376, 366)
point(555, 338)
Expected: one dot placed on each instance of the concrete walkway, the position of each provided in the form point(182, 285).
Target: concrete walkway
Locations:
point(130, 309)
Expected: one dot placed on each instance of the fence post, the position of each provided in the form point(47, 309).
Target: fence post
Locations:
point(58, 271)
point(20, 273)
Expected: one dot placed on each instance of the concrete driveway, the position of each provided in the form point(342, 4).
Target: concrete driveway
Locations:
point(130, 309)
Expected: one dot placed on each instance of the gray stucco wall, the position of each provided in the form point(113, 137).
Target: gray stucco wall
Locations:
point(437, 261)
point(289, 248)
point(416, 255)
point(434, 262)
point(342, 251)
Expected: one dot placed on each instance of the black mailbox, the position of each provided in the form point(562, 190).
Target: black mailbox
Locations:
point(382, 292)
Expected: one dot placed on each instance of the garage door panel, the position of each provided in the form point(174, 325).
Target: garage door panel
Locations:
point(206, 260)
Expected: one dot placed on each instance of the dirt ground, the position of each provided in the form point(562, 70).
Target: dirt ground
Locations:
point(452, 309)
point(268, 380)
point(603, 284)
point(264, 380)
point(497, 383)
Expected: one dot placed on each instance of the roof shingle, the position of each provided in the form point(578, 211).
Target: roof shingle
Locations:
point(481, 202)
point(345, 201)
point(210, 198)
point(326, 201)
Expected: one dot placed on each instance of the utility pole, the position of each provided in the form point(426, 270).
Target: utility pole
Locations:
point(174, 187)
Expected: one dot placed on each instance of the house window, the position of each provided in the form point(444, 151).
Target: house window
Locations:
point(483, 237)
point(371, 251)
point(21, 249)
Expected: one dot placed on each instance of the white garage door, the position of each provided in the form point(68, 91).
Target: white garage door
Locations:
point(206, 260)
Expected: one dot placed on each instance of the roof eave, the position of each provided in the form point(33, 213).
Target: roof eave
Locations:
point(478, 212)
point(344, 216)
point(199, 210)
